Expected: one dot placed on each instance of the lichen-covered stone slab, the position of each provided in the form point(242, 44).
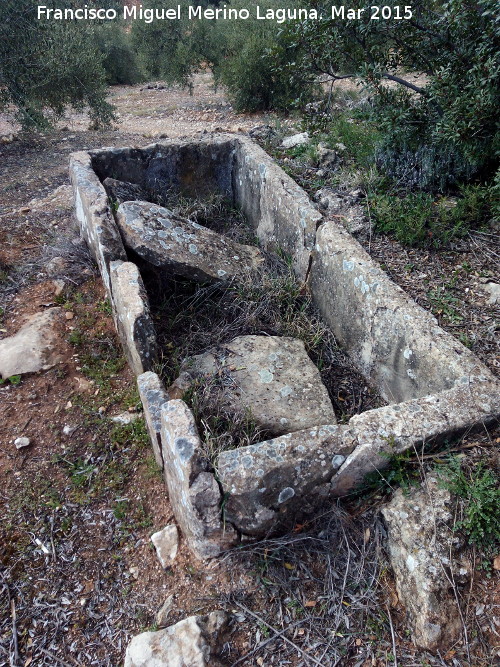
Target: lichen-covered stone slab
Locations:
point(193, 491)
point(196, 641)
point(273, 483)
point(388, 336)
point(397, 428)
point(153, 396)
point(423, 553)
point(131, 314)
point(183, 247)
point(271, 376)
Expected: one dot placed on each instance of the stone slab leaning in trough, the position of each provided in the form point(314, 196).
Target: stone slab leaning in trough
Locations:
point(272, 377)
point(183, 247)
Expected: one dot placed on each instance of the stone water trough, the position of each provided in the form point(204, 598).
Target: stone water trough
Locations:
point(434, 387)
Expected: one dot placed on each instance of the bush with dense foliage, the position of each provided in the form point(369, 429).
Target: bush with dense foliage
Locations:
point(254, 65)
point(440, 129)
point(119, 57)
point(48, 65)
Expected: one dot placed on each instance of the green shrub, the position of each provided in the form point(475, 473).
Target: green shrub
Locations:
point(167, 49)
point(421, 219)
point(119, 58)
point(479, 487)
point(440, 130)
point(251, 72)
point(359, 137)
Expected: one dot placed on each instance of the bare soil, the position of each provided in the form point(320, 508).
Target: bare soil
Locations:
point(78, 574)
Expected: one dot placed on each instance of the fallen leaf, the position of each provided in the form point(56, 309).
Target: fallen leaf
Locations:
point(496, 562)
point(289, 566)
point(311, 603)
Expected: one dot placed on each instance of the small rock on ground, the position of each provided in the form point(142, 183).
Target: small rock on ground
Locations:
point(164, 612)
point(166, 543)
point(295, 140)
point(21, 442)
point(32, 348)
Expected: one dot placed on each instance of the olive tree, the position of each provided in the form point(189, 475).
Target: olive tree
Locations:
point(440, 128)
point(49, 65)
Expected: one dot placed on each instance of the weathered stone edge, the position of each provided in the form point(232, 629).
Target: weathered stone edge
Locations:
point(94, 216)
point(394, 429)
point(194, 493)
point(269, 484)
point(131, 314)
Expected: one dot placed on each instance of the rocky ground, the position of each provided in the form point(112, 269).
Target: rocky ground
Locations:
point(79, 576)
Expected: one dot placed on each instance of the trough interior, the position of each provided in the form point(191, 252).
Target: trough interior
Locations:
point(190, 318)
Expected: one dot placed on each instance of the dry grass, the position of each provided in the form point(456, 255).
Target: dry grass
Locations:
point(192, 318)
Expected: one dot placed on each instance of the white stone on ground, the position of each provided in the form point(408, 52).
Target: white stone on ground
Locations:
point(166, 543)
point(422, 549)
point(21, 442)
point(295, 140)
point(194, 642)
point(32, 348)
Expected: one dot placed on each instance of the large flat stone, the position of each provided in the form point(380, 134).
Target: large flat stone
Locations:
point(271, 484)
point(271, 376)
point(34, 347)
point(278, 209)
point(389, 337)
point(183, 247)
point(193, 491)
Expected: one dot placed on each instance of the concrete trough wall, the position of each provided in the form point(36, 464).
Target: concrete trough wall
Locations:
point(435, 386)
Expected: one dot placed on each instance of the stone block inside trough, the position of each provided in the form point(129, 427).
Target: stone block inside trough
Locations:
point(183, 247)
point(270, 376)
